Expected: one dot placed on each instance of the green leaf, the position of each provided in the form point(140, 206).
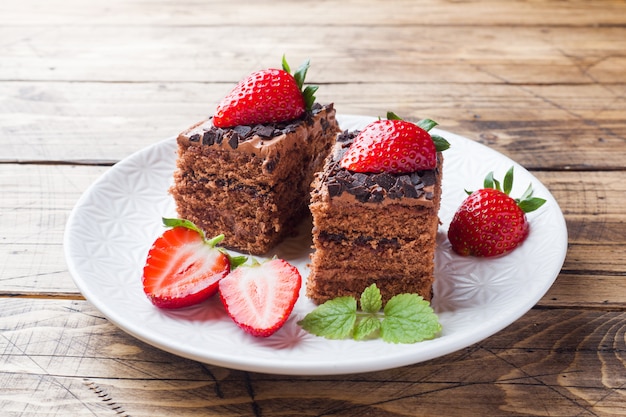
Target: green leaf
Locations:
point(527, 194)
point(508, 182)
point(334, 319)
point(426, 124)
point(440, 143)
point(392, 116)
point(367, 326)
point(489, 181)
point(409, 319)
point(371, 300)
point(285, 65)
point(172, 222)
point(236, 261)
point(309, 96)
point(300, 74)
point(531, 204)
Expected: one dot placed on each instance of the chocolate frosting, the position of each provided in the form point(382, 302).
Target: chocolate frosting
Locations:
point(214, 135)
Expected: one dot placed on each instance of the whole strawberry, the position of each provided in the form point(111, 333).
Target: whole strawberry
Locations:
point(394, 146)
point(266, 96)
point(490, 222)
point(261, 296)
point(183, 267)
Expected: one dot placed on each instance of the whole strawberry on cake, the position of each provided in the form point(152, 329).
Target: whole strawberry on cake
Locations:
point(375, 211)
point(245, 171)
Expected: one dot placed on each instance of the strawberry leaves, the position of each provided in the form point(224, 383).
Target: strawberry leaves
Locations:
point(406, 318)
point(309, 91)
point(527, 202)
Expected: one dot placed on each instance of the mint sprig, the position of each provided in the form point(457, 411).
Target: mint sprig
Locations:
point(406, 318)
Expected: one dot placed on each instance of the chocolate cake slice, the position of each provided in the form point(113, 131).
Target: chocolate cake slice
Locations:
point(251, 183)
point(372, 228)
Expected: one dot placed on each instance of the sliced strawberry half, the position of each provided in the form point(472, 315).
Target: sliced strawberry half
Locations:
point(183, 267)
point(260, 297)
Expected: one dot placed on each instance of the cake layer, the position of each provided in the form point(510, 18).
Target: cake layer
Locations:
point(372, 228)
point(251, 183)
point(325, 287)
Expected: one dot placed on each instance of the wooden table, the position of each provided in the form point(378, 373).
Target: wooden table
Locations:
point(83, 84)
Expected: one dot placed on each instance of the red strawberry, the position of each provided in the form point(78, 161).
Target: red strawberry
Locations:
point(394, 146)
point(490, 222)
point(266, 96)
point(183, 268)
point(260, 297)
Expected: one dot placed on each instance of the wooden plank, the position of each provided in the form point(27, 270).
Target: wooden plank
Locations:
point(340, 54)
point(63, 358)
point(98, 122)
point(37, 199)
point(142, 12)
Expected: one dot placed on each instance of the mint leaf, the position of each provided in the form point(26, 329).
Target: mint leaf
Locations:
point(408, 319)
point(367, 326)
point(371, 300)
point(333, 320)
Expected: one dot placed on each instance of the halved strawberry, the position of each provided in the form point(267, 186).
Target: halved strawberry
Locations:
point(183, 267)
point(261, 296)
point(266, 96)
point(394, 146)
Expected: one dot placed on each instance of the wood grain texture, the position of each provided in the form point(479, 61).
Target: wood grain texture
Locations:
point(61, 357)
point(103, 123)
point(85, 84)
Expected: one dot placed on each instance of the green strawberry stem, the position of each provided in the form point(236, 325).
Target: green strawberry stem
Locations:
point(309, 91)
point(526, 202)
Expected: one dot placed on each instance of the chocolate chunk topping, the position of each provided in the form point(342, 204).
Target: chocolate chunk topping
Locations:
point(242, 130)
point(233, 141)
point(208, 138)
point(194, 138)
point(374, 187)
point(264, 131)
point(385, 180)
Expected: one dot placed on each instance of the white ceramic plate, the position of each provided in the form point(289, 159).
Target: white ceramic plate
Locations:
point(115, 222)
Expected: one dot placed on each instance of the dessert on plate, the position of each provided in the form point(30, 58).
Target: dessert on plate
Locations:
point(375, 212)
point(246, 171)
